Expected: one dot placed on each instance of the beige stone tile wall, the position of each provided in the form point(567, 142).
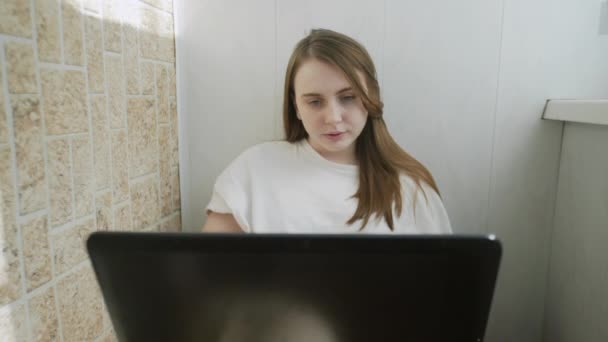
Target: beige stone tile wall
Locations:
point(88, 142)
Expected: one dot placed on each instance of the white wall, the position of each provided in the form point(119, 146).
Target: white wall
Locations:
point(550, 49)
point(464, 84)
point(577, 293)
point(225, 73)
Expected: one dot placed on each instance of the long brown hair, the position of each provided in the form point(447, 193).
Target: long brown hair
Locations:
point(381, 160)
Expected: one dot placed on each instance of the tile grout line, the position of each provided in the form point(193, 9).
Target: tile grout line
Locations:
point(71, 224)
point(172, 103)
point(147, 97)
point(56, 66)
point(34, 44)
point(39, 290)
point(106, 95)
point(60, 27)
point(157, 116)
point(42, 131)
point(53, 137)
point(51, 242)
point(125, 102)
point(48, 217)
point(155, 61)
point(158, 143)
point(112, 53)
point(140, 81)
point(71, 158)
point(24, 94)
point(142, 178)
point(11, 38)
point(93, 175)
point(133, 25)
point(73, 269)
point(20, 300)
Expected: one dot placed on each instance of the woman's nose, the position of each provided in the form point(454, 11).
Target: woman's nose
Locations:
point(334, 113)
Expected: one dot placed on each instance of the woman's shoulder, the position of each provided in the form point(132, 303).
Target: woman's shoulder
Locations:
point(264, 151)
point(261, 154)
point(273, 146)
point(419, 193)
point(426, 205)
point(411, 187)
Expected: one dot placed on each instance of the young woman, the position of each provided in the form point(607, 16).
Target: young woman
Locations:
point(338, 169)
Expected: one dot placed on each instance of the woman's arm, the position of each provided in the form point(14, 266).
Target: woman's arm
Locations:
point(221, 223)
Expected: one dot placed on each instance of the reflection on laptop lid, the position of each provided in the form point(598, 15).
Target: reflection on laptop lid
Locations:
point(295, 288)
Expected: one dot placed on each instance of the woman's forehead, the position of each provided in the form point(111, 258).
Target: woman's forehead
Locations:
point(315, 76)
point(319, 77)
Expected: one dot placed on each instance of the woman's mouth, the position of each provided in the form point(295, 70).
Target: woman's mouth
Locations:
point(334, 135)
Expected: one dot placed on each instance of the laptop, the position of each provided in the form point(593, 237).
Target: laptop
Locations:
point(295, 288)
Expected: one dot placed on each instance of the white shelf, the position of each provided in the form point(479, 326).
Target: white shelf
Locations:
point(583, 111)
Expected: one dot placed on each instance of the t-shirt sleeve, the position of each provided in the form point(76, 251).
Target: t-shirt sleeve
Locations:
point(425, 213)
point(431, 215)
point(231, 195)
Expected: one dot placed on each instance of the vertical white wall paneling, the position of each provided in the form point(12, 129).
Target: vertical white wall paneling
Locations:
point(577, 291)
point(363, 20)
point(576, 304)
point(549, 50)
point(226, 65)
point(440, 79)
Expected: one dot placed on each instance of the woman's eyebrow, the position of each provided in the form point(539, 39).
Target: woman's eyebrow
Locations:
point(317, 94)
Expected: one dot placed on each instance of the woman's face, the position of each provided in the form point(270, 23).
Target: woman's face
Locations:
point(330, 110)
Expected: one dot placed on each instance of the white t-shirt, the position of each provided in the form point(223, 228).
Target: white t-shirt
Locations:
point(282, 187)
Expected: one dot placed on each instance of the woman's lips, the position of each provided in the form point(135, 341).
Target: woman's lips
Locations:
point(334, 135)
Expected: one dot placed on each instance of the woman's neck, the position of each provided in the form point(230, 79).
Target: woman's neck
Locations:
point(346, 156)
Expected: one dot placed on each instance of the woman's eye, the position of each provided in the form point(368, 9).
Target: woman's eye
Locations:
point(314, 102)
point(348, 98)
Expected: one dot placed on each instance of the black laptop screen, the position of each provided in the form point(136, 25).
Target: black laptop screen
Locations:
point(278, 292)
